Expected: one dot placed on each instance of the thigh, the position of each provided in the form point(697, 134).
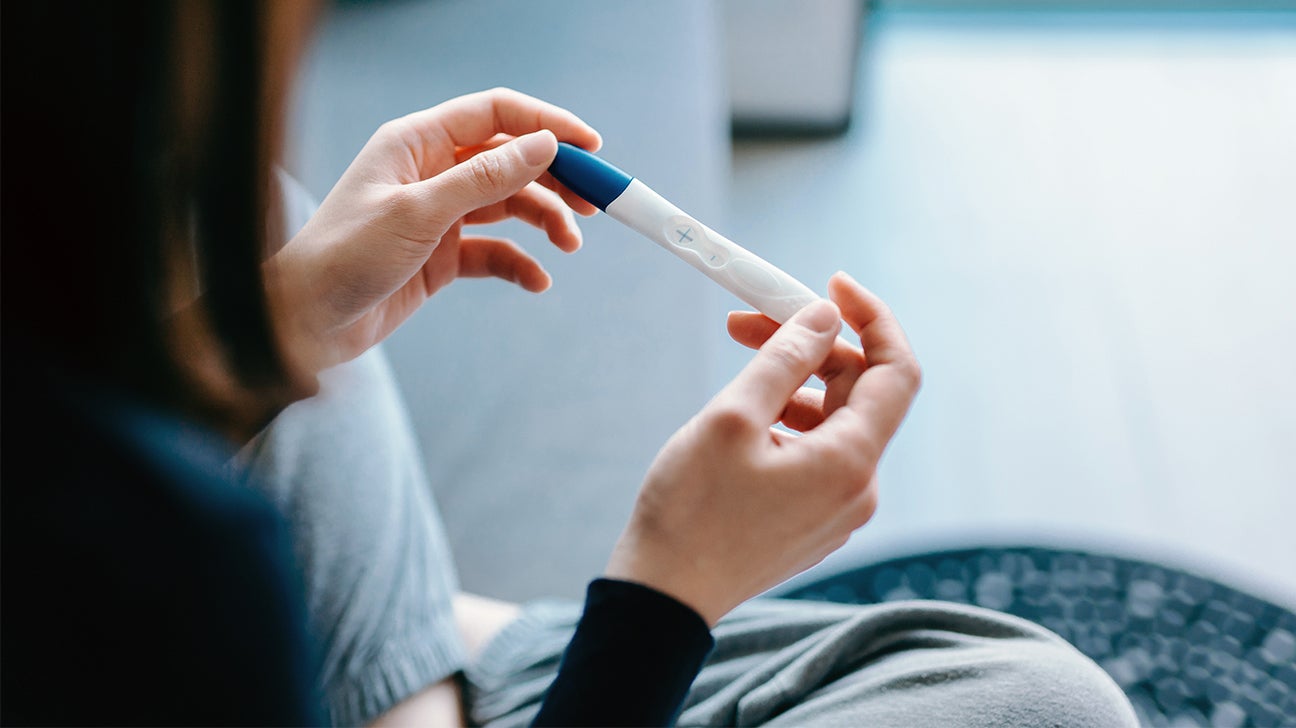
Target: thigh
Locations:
point(345, 467)
point(812, 663)
point(917, 663)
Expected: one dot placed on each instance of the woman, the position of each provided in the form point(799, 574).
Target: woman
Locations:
point(149, 332)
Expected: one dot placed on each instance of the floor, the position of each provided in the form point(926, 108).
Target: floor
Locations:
point(1087, 224)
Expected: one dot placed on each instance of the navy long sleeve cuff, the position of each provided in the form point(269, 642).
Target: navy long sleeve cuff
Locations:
point(632, 660)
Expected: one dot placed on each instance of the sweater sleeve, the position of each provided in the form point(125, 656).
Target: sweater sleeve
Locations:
point(635, 653)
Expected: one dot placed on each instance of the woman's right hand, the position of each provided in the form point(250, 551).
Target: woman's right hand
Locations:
point(732, 507)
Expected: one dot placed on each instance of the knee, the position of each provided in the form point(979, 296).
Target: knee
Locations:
point(1038, 683)
point(1022, 677)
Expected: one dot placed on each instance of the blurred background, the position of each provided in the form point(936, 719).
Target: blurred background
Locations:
point(1084, 214)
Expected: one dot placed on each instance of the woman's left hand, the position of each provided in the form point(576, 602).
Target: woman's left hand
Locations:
point(392, 231)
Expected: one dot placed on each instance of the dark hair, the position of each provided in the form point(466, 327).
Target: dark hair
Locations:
point(135, 167)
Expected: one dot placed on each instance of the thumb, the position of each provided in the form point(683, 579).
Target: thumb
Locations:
point(762, 389)
point(489, 177)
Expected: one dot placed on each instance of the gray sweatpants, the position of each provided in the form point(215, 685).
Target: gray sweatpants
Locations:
point(345, 468)
point(795, 663)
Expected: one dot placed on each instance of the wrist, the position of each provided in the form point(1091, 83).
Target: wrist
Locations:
point(632, 561)
point(303, 342)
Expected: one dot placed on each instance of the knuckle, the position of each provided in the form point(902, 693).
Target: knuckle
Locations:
point(866, 455)
point(832, 369)
point(839, 540)
point(488, 173)
point(504, 95)
point(836, 367)
point(728, 423)
point(386, 130)
point(864, 506)
point(912, 373)
point(787, 352)
point(850, 487)
point(851, 478)
point(399, 204)
point(856, 450)
point(852, 466)
point(402, 210)
point(391, 130)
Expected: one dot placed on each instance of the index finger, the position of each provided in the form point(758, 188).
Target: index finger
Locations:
point(751, 329)
point(477, 117)
point(882, 395)
point(762, 389)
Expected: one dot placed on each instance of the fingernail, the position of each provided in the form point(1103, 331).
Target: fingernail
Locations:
point(538, 147)
point(849, 278)
point(821, 316)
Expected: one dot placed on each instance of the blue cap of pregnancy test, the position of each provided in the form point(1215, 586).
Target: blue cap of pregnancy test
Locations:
point(596, 181)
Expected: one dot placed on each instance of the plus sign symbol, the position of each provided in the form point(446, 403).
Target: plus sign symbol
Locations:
point(685, 235)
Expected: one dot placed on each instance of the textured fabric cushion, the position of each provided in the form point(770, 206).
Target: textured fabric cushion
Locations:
point(1188, 649)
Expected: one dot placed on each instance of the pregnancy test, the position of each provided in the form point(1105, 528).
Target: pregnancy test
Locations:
point(760, 284)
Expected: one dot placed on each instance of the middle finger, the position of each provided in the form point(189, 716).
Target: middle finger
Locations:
point(539, 208)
